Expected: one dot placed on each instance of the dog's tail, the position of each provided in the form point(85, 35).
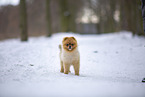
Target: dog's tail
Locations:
point(60, 47)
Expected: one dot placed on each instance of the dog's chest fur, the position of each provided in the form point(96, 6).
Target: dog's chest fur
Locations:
point(70, 57)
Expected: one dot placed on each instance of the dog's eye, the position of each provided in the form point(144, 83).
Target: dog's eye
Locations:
point(72, 44)
point(66, 44)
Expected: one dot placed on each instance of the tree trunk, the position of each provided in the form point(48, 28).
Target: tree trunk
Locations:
point(72, 17)
point(64, 16)
point(48, 18)
point(111, 21)
point(72, 24)
point(139, 21)
point(23, 21)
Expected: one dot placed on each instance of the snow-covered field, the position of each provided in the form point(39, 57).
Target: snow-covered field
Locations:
point(112, 65)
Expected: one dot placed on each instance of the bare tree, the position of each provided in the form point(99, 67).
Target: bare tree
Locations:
point(64, 16)
point(23, 20)
point(72, 9)
point(48, 18)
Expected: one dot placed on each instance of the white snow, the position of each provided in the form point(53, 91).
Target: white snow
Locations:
point(112, 65)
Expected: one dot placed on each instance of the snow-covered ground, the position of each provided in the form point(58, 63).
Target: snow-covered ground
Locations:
point(112, 65)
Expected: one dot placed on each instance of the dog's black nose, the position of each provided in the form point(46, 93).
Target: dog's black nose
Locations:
point(69, 47)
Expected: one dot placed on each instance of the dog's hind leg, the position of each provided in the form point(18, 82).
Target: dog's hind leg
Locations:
point(62, 68)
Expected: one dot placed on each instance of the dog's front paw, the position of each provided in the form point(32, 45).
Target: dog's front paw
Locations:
point(66, 72)
point(62, 71)
point(77, 74)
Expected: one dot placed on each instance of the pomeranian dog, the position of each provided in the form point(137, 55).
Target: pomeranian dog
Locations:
point(69, 55)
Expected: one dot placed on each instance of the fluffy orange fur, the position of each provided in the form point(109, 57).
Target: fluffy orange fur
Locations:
point(69, 55)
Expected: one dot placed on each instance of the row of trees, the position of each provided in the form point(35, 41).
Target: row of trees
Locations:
point(128, 11)
point(67, 15)
point(112, 15)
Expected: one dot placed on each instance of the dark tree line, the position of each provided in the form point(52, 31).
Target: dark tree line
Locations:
point(63, 16)
point(129, 15)
point(67, 13)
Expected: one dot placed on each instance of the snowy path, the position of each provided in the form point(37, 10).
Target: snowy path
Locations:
point(112, 65)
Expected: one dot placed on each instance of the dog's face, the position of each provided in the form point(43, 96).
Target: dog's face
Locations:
point(69, 43)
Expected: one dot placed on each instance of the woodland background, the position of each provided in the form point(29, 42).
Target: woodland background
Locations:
point(45, 17)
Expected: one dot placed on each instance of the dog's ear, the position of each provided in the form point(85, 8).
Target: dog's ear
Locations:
point(73, 38)
point(65, 38)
